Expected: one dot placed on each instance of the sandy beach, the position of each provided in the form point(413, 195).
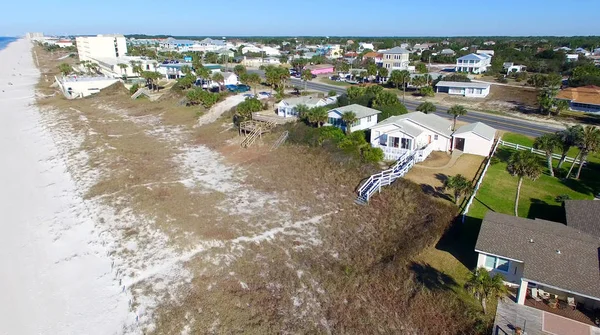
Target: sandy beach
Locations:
point(56, 275)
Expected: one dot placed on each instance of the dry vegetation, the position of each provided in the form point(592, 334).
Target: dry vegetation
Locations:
point(267, 242)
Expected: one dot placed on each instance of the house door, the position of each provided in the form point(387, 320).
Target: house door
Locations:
point(459, 143)
point(428, 139)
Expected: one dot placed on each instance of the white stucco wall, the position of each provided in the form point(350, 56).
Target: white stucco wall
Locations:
point(475, 144)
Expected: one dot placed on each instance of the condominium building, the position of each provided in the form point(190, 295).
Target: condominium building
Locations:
point(396, 58)
point(101, 46)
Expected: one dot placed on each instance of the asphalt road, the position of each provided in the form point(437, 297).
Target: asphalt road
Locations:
point(529, 128)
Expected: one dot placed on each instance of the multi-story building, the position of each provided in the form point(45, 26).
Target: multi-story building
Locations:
point(396, 59)
point(473, 63)
point(101, 46)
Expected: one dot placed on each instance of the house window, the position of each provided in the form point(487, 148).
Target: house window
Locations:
point(383, 139)
point(369, 118)
point(496, 263)
point(435, 137)
point(406, 143)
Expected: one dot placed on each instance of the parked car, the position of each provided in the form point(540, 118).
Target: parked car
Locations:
point(266, 94)
point(352, 82)
point(335, 78)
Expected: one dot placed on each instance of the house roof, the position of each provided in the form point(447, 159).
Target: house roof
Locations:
point(359, 110)
point(474, 56)
point(585, 94)
point(411, 121)
point(478, 128)
point(309, 101)
point(553, 254)
point(473, 84)
point(583, 215)
point(373, 54)
point(396, 50)
point(447, 52)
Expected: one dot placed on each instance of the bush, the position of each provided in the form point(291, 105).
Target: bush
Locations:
point(501, 79)
point(562, 198)
point(134, 89)
point(332, 93)
point(372, 155)
point(330, 133)
point(391, 110)
point(427, 91)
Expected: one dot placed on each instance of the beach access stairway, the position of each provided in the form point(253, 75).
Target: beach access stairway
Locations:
point(280, 140)
point(254, 129)
point(141, 91)
point(387, 177)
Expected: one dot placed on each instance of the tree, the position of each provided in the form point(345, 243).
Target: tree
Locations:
point(456, 111)
point(426, 91)
point(306, 76)
point(426, 107)
point(349, 118)
point(203, 73)
point(523, 164)
point(239, 70)
point(383, 72)
point(385, 98)
point(590, 142)
point(395, 78)
point(122, 66)
point(65, 69)
point(218, 78)
point(251, 79)
point(400, 77)
point(245, 109)
point(421, 68)
point(317, 115)
point(547, 143)
point(151, 78)
point(483, 286)
point(371, 70)
point(460, 185)
point(560, 106)
point(568, 138)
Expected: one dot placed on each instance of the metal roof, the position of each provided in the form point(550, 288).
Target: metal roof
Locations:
point(359, 110)
point(413, 120)
point(473, 84)
point(395, 50)
point(474, 56)
point(478, 128)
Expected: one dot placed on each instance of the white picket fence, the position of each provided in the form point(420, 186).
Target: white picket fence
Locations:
point(480, 180)
point(534, 150)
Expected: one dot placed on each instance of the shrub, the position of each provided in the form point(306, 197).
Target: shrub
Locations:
point(330, 133)
point(562, 198)
point(427, 91)
point(391, 110)
point(134, 89)
point(332, 93)
point(501, 79)
point(372, 155)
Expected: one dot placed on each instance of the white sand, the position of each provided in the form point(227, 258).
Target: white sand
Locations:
point(55, 276)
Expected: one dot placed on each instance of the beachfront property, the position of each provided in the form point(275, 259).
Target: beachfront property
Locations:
point(179, 45)
point(118, 67)
point(582, 99)
point(210, 45)
point(474, 138)
point(257, 61)
point(473, 63)
point(101, 46)
point(289, 107)
point(401, 134)
point(396, 59)
point(465, 89)
point(74, 87)
point(553, 266)
point(365, 117)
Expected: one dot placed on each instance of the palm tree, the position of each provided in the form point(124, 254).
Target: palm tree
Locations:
point(306, 76)
point(483, 286)
point(568, 138)
point(383, 73)
point(590, 142)
point(239, 70)
point(547, 143)
point(523, 164)
point(561, 106)
point(303, 112)
point(349, 118)
point(251, 79)
point(405, 76)
point(123, 67)
point(219, 79)
point(460, 185)
point(65, 69)
point(395, 78)
point(456, 111)
point(317, 115)
point(203, 73)
point(426, 107)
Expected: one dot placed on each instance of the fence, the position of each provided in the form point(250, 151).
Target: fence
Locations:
point(480, 180)
point(534, 150)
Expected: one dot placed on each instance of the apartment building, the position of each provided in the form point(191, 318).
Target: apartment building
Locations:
point(101, 46)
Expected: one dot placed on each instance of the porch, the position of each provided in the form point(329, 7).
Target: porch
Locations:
point(394, 153)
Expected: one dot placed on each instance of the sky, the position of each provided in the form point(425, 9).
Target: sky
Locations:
point(303, 17)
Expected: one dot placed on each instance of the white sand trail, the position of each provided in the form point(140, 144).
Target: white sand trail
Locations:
point(55, 276)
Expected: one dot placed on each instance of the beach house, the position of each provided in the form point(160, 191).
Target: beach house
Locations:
point(365, 117)
point(289, 107)
point(473, 63)
point(465, 89)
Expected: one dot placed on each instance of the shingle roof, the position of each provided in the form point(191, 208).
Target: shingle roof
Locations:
point(396, 50)
point(537, 243)
point(411, 121)
point(473, 84)
point(359, 110)
point(309, 101)
point(583, 215)
point(478, 128)
point(585, 94)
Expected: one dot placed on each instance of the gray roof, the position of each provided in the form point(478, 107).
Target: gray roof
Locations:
point(359, 110)
point(537, 243)
point(395, 50)
point(411, 120)
point(461, 84)
point(474, 56)
point(583, 215)
point(477, 128)
point(447, 52)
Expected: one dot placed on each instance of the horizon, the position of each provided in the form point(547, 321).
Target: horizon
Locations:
point(511, 18)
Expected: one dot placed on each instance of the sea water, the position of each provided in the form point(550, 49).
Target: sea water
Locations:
point(4, 41)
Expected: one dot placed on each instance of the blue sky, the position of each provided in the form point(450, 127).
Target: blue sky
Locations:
point(303, 17)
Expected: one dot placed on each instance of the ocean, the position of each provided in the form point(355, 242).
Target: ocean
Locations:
point(5, 40)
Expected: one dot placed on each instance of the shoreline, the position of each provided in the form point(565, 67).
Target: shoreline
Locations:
point(58, 277)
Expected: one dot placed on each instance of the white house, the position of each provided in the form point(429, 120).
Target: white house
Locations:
point(447, 52)
point(485, 52)
point(413, 131)
point(80, 86)
point(466, 89)
point(572, 57)
point(289, 107)
point(473, 63)
point(365, 46)
point(544, 259)
point(365, 117)
point(511, 67)
point(475, 138)
point(110, 66)
point(101, 46)
point(583, 51)
point(209, 45)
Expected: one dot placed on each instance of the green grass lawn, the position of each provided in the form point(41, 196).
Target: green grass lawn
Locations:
point(333, 82)
point(528, 142)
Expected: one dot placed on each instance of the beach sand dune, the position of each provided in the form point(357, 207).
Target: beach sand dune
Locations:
point(55, 273)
